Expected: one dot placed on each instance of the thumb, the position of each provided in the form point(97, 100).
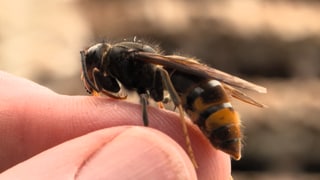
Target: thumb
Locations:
point(112, 153)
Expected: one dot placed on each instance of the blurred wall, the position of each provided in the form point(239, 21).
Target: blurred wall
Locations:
point(41, 40)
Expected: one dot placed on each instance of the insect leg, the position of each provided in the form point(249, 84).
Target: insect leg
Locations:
point(107, 85)
point(144, 103)
point(157, 91)
point(177, 102)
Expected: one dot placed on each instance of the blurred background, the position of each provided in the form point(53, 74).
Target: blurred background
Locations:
point(272, 43)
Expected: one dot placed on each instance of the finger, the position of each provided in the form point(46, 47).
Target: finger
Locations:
point(113, 153)
point(37, 119)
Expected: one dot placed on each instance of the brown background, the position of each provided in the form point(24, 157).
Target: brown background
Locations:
point(273, 43)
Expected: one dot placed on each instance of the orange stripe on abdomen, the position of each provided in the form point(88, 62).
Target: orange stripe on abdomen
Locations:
point(210, 109)
point(223, 130)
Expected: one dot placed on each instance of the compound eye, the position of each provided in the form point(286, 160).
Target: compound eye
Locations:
point(96, 51)
point(95, 47)
point(93, 56)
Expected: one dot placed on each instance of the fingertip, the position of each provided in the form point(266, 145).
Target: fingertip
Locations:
point(142, 153)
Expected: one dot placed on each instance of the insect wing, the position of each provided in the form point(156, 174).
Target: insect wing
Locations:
point(193, 67)
point(242, 96)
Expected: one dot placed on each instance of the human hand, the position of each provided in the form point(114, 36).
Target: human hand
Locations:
point(44, 135)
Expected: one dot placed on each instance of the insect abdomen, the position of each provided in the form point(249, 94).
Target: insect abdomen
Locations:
point(208, 106)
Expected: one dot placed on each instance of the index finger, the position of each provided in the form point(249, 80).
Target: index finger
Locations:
point(36, 119)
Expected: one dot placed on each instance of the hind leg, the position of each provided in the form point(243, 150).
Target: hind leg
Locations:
point(177, 102)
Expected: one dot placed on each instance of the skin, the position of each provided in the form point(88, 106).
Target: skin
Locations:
point(45, 135)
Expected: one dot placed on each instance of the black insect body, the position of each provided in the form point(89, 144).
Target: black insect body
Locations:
point(201, 91)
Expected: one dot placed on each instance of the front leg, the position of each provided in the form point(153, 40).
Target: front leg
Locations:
point(108, 85)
